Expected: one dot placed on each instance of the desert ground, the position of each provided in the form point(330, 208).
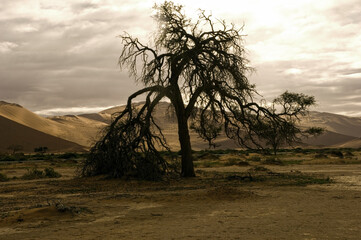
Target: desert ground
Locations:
point(232, 197)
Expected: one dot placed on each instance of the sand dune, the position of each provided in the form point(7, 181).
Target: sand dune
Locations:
point(355, 143)
point(81, 130)
point(339, 129)
point(84, 129)
point(76, 129)
point(333, 122)
point(13, 133)
point(328, 139)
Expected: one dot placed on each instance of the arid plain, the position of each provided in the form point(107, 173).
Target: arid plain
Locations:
point(234, 196)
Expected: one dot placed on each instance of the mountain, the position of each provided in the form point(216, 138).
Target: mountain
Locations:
point(13, 133)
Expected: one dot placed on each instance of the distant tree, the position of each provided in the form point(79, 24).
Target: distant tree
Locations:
point(15, 148)
point(201, 68)
point(288, 108)
point(41, 150)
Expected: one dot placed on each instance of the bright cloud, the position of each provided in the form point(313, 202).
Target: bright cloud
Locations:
point(7, 46)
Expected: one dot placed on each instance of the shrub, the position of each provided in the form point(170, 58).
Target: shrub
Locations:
point(259, 169)
point(207, 156)
point(51, 173)
point(255, 158)
point(336, 153)
point(37, 174)
point(243, 163)
point(3, 178)
point(231, 162)
point(349, 154)
point(33, 174)
point(320, 155)
point(273, 161)
point(7, 158)
point(68, 155)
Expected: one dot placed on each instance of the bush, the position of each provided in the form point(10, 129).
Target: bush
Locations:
point(255, 158)
point(208, 156)
point(3, 178)
point(7, 158)
point(320, 155)
point(51, 173)
point(37, 174)
point(231, 161)
point(349, 154)
point(68, 155)
point(259, 169)
point(336, 153)
point(243, 163)
point(272, 161)
point(33, 174)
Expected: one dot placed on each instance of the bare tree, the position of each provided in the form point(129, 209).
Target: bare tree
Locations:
point(201, 68)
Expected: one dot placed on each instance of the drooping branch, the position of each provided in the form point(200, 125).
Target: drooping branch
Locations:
point(130, 147)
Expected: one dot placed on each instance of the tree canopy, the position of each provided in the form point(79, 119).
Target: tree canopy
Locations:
point(201, 67)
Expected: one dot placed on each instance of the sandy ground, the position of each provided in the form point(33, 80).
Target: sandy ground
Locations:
point(210, 206)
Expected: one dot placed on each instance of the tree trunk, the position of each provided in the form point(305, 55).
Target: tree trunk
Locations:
point(183, 131)
point(186, 149)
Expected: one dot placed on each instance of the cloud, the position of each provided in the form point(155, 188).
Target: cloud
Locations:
point(71, 110)
point(7, 46)
point(63, 54)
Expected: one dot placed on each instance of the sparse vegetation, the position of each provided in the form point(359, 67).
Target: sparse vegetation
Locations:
point(40, 150)
point(34, 173)
point(3, 178)
point(321, 155)
point(14, 148)
point(299, 179)
point(255, 158)
point(68, 155)
point(51, 173)
point(232, 161)
point(336, 153)
point(272, 161)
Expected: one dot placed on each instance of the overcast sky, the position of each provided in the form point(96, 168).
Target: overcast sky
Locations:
point(60, 57)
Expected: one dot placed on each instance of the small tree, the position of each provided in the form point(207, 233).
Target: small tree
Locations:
point(15, 148)
point(201, 68)
point(41, 150)
point(288, 108)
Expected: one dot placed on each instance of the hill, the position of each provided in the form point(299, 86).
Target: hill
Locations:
point(13, 133)
point(350, 126)
point(341, 131)
point(329, 139)
point(355, 143)
point(72, 128)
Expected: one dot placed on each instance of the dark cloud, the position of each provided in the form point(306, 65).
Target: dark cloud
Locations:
point(336, 93)
point(67, 63)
